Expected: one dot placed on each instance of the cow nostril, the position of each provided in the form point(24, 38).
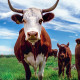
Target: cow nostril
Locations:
point(28, 34)
point(62, 56)
point(36, 34)
point(32, 34)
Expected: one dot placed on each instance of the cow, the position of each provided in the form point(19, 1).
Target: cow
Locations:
point(77, 57)
point(33, 44)
point(53, 53)
point(64, 59)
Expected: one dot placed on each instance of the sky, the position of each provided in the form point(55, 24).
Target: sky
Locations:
point(64, 28)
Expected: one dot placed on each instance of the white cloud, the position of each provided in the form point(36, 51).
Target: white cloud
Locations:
point(4, 23)
point(53, 39)
point(73, 4)
point(4, 50)
point(66, 27)
point(65, 14)
point(7, 34)
point(5, 15)
point(74, 36)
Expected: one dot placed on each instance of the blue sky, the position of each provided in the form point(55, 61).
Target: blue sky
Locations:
point(64, 28)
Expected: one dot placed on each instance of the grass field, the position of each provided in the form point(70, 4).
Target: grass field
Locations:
point(10, 69)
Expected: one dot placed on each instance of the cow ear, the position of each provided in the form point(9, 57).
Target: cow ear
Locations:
point(67, 44)
point(17, 18)
point(48, 17)
point(58, 45)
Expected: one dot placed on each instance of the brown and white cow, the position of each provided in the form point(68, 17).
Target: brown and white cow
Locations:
point(77, 57)
point(64, 59)
point(33, 44)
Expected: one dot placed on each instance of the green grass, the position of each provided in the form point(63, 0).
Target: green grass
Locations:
point(11, 69)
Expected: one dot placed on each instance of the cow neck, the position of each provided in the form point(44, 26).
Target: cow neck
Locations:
point(36, 49)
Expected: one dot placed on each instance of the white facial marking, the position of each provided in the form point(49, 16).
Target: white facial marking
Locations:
point(32, 17)
point(62, 45)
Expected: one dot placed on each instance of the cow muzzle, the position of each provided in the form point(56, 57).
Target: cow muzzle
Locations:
point(32, 36)
point(62, 56)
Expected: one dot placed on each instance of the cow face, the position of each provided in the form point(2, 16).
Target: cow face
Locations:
point(62, 50)
point(32, 19)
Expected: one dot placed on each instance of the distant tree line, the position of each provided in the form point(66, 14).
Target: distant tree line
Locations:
point(7, 56)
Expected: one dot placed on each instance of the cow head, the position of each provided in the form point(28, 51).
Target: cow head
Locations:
point(62, 50)
point(53, 52)
point(78, 41)
point(32, 19)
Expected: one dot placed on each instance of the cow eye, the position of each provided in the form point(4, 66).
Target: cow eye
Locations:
point(40, 21)
point(23, 20)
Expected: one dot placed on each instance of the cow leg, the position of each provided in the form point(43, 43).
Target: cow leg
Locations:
point(41, 69)
point(78, 74)
point(78, 68)
point(27, 70)
point(63, 71)
point(68, 70)
point(60, 70)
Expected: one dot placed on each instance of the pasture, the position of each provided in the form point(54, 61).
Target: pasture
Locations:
point(10, 69)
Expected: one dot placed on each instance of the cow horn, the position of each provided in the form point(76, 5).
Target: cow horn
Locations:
point(51, 8)
point(13, 9)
